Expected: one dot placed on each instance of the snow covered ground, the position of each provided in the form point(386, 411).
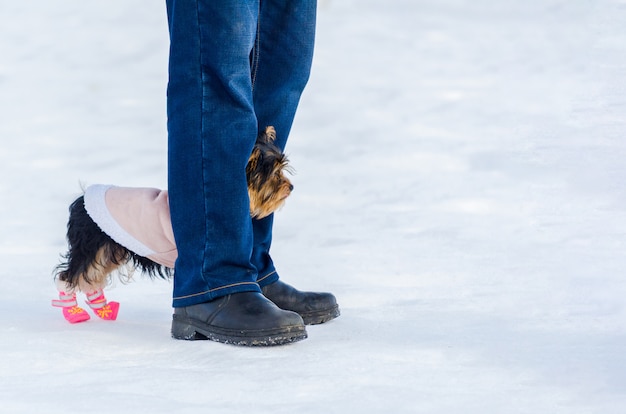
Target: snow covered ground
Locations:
point(460, 187)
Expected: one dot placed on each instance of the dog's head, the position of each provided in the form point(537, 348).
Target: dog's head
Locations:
point(268, 187)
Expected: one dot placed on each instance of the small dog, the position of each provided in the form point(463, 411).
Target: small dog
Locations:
point(110, 228)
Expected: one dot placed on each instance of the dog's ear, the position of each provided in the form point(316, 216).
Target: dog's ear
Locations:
point(269, 135)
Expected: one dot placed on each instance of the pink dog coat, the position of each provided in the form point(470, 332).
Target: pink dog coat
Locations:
point(136, 218)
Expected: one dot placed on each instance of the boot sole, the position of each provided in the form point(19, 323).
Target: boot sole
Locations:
point(317, 317)
point(192, 330)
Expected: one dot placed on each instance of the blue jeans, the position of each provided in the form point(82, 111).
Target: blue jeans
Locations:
point(235, 67)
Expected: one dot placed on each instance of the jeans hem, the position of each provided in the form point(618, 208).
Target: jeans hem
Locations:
point(211, 294)
point(268, 279)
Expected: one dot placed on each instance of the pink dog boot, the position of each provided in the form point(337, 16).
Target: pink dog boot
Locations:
point(98, 303)
point(71, 311)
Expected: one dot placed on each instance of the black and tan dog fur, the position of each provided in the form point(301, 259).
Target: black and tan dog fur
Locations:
point(93, 256)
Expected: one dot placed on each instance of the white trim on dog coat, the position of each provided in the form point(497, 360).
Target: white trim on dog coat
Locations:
point(136, 218)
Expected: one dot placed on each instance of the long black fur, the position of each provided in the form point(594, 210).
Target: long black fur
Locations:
point(85, 239)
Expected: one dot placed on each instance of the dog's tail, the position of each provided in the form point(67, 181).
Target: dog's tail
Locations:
point(93, 255)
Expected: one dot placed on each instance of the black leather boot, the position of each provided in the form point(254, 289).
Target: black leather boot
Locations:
point(315, 308)
point(246, 318)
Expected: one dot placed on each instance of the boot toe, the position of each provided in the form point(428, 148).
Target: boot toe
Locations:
point(313, 307)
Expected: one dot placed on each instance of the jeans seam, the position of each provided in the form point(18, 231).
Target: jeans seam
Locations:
point(202, 129)
point(256, 50)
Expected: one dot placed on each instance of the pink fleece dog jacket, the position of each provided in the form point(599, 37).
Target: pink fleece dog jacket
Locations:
point(136, 218)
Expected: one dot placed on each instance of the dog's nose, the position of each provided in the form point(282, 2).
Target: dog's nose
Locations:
point(290, 187)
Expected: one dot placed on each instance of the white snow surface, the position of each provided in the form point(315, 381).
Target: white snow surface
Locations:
point(460, 187)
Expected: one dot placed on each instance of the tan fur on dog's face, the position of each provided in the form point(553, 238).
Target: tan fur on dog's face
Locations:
point(268, 187)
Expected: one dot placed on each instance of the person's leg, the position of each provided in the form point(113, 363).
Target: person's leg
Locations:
point(212, 128)
point(281, 66)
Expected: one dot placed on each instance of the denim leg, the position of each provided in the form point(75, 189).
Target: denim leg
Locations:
point(284, 51)
point(212, 128)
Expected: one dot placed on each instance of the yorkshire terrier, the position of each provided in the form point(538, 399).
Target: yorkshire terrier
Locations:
point(111, 228)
